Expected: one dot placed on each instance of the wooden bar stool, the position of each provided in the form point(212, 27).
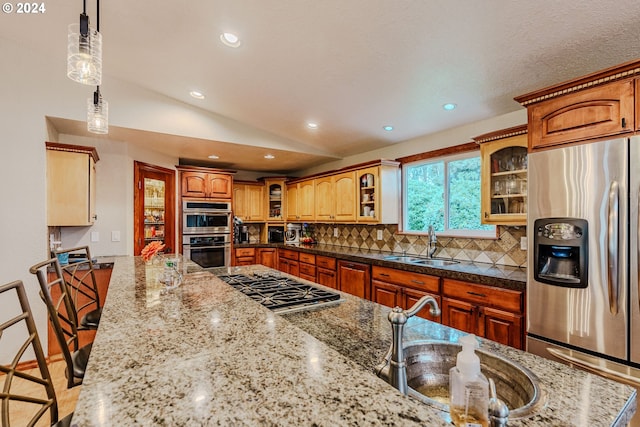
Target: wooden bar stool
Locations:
point(12, 399)
point(64, 318)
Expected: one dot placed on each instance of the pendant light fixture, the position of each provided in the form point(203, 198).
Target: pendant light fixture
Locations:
point(84, 51)
point(97, 113)
point(97, 108)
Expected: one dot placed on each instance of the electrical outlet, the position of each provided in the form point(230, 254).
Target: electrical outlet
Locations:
point(95, 236)
point(523, 243)
point(335, 231)
point(379, 235)
point(115, 236)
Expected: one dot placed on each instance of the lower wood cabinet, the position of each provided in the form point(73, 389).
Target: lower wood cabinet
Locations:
point(288, 262)
point(267, 257)
point(245, 256)
point(326, 271)
point(489, 312)
point(307, 264)
point(354, 278)
point(398, 288)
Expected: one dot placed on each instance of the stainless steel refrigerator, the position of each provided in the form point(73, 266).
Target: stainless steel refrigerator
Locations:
point(583, 303)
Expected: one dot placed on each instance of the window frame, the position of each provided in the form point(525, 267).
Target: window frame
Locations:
point(446, 159)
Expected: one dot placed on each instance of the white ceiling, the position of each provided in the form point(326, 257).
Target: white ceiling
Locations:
point(352, 66)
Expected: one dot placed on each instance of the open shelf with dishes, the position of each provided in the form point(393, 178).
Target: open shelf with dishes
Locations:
point(504, 177)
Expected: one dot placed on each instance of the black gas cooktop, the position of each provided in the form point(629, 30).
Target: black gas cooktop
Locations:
point(280, 293)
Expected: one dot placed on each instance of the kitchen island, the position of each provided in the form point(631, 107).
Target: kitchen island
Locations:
point(205, 354)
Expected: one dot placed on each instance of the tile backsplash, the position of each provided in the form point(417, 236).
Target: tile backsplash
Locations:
point(505, 250)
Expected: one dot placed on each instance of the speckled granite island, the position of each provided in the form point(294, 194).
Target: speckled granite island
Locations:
point(205, 354)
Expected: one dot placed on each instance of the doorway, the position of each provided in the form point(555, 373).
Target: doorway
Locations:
point(153, 207)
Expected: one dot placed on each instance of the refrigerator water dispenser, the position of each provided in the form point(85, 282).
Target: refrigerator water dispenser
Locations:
point(561, 252)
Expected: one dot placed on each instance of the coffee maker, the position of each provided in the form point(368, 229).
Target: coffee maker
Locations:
point(240, 232)
point(561, 252)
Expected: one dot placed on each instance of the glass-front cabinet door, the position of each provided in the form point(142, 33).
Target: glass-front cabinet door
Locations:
point(504, 181)
point(154, 210)
point(276, 203)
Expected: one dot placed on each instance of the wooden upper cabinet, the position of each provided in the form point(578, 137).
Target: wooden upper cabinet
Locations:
point(345, 196)
point(194, 184)
point(206, 185)
point(300, 201)
point(599, 105)
point(71, 185)
point(325, 198)
point(219, 185)
point(503, 157)
point(292, 202)
point(600, 111)
point(335, 198)
point(248, 201)
point(306, 199)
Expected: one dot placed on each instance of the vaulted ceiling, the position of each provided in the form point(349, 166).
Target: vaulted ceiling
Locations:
point(351, 66)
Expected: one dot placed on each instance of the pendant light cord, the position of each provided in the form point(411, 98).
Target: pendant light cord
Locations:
point(97, 14)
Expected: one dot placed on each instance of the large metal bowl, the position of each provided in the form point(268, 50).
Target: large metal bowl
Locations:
point(428, 365)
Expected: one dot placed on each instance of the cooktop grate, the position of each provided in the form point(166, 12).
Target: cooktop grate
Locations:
point(280, 293)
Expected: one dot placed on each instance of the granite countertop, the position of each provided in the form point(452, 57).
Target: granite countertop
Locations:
point(488, 274)
point(205, 354)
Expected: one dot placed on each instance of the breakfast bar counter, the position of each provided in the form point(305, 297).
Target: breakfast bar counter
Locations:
point(205, 354)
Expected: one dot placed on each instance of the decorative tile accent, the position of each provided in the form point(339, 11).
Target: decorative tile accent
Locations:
point(504, 250)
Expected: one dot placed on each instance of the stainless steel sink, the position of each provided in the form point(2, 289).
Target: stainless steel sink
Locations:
point(401, 258)
point(433, 262)
point(428, 365)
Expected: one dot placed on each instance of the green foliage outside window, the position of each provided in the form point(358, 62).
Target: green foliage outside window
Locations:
point(429, 187)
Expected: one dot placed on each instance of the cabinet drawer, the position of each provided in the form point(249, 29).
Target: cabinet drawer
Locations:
point(488, 296)
point(308, 270)
point(326, 262)
point(240, 252)
point(245, 260)
point(407, 278)
point(288, 254)
point(308, 258)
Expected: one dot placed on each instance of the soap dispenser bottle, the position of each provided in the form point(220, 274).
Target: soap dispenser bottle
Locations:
point(468, 388)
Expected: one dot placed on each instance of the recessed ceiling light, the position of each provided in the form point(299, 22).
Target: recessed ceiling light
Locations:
point(230, 39)
point(269, 156)
point(213, 156)
point(449, 106)
point(312, 125)
point(388, 128)
point(196, 94)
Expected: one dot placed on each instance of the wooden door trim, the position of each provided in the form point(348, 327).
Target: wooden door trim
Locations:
point(139, 168)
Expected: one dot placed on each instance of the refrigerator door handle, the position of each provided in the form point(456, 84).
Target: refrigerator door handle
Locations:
point(612, 247)
point(592, 367)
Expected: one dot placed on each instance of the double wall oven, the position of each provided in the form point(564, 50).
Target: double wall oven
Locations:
point(206, 232)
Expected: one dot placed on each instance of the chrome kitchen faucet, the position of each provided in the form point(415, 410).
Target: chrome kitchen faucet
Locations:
point(432, 241)
point(393, 368)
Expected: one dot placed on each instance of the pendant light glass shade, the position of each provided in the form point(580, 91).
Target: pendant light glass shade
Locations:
point(84, 53)
point(97, 114)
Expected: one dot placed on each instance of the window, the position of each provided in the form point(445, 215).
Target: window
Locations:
point(445, 192)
